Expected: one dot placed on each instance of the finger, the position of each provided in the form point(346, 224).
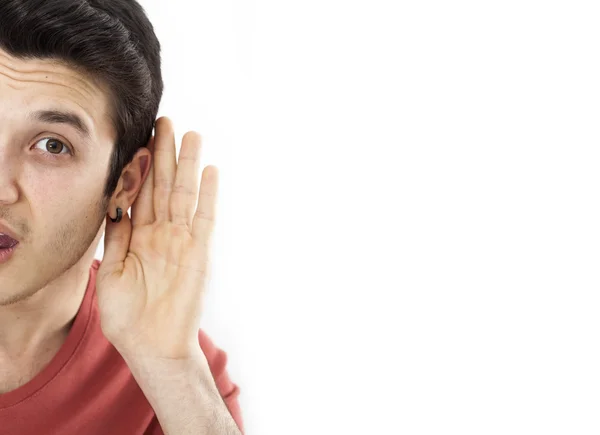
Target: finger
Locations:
point(204, 218)
point(165, 164)
point(185, 189)
point(142, 210)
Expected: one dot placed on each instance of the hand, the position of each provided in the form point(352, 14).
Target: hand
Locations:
point(151, 281)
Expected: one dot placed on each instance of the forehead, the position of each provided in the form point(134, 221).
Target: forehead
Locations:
point(35, 84)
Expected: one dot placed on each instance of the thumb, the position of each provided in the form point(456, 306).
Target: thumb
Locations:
point(117, 237)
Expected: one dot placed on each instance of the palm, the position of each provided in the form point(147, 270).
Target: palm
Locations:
point(150, 283)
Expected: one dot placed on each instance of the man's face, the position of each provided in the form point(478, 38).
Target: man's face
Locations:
point(51, 177)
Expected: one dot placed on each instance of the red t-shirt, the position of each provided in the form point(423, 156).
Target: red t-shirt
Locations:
point(88, 389)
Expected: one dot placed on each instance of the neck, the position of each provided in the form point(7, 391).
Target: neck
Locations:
point(29, 327)
point(40, 324)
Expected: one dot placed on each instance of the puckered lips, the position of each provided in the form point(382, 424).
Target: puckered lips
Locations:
point(7, 242)
point(7, 238)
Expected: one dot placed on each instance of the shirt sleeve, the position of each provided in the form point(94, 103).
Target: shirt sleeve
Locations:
point(217, 362)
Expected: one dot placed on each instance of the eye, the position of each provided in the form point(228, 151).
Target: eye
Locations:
point(54, 146)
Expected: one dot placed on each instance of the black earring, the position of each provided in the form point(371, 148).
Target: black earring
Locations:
point(119, 215)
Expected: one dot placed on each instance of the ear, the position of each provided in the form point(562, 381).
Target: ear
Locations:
point(131, 181)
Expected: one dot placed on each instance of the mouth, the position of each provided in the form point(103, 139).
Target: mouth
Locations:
point(7, 253)
point(7, 242)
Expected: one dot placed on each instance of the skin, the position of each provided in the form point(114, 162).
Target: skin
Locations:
point(54, 202)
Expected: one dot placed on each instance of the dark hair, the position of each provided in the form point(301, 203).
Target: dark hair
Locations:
point(110, 41)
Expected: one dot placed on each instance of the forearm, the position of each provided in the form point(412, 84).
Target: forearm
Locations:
point(184, 396)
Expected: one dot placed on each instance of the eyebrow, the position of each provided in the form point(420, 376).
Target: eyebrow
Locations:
point(62, 117)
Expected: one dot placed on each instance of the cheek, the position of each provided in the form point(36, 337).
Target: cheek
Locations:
point(58, 182)
point(42, 180)
point(58, 208)
point(68, 230)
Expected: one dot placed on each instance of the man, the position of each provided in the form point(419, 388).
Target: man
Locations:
point(111, 346)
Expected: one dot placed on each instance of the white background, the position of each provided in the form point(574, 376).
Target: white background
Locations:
point(408, 222)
